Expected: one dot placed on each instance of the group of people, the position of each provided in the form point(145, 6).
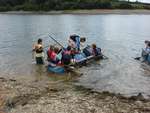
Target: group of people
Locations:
point(76, 45)
point(65, 56)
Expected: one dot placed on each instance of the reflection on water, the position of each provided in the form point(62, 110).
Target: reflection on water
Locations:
point(120, 36)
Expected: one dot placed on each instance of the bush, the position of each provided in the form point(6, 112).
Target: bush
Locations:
point(30, 7)
point(46, 5)
point(3, 8)
point(18, 7)
point(125, 6)
point(146, 7)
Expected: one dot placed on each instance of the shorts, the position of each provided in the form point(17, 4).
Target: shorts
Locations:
point(39, 60)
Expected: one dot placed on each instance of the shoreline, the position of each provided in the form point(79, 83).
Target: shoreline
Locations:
point(86, 12)
point(56, 96)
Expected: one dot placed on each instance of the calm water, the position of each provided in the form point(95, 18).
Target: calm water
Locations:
point(120, 36)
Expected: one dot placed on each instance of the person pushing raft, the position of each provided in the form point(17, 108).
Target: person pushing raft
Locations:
point(146, 52)
point(39, 52)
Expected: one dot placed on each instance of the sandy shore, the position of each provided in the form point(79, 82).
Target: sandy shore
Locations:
point(95, 11)
point(45, 96)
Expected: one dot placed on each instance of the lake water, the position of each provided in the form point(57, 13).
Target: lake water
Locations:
point(120, 36)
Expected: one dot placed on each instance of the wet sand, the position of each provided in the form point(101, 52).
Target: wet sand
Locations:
point(59, 97)
point(94, 11)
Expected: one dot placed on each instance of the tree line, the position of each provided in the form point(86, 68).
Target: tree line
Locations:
point(47, 5)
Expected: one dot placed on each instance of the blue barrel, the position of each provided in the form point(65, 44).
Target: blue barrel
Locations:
point(56, 69)
point(79, 56)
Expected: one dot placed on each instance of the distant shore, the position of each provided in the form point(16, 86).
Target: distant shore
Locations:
point(94, 11)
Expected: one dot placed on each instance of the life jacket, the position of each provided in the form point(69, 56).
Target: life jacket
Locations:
point(66, 57)
point(51, 55)
point(87, 51)
point(49, 52)
point(97, 51)
point(67, 52)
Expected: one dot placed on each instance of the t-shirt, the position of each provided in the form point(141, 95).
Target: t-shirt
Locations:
point(82, 46)
point(147, 50)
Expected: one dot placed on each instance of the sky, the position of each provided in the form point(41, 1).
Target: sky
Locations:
point(146, 1)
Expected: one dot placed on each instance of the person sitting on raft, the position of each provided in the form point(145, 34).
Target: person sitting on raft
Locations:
point(49, 52)
point(39, 52)
point(95, 51)
point(52, 54)
point(82, 43)
point(66, 56)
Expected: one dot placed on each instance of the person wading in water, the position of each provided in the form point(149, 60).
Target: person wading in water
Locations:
point(146, 51)
point(39, 52)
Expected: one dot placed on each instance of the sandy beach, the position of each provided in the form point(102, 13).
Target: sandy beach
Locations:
point(59, 97)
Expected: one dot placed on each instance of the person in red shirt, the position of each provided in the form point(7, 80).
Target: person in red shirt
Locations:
point(52, 54)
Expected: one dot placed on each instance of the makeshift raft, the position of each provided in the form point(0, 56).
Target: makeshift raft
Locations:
point(80, 60)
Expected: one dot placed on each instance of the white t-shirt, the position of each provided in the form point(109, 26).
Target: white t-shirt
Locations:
point(82, 46)
point(147, 50)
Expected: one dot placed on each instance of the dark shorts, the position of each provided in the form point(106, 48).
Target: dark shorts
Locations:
point(39, 60)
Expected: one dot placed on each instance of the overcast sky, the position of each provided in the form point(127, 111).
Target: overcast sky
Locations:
point(148, 1)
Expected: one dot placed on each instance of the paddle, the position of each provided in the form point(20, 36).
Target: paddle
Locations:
point(48, 45)
point(105, 57)
point(56, 41)
point(137, 58)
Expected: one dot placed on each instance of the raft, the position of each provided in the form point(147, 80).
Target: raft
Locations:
point(80, 60)
point(84, 59)
point(56, 69)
